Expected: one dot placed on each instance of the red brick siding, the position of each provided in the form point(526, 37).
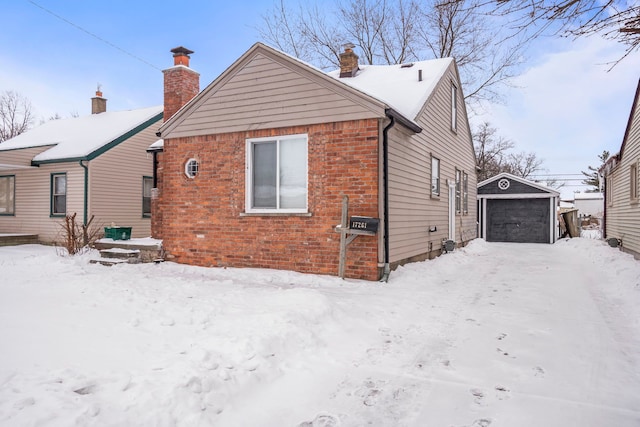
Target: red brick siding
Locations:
point(180, 85)
point(342, 159)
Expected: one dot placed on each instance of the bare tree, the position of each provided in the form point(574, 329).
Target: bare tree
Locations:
point(523, 164)
point(397, 31)
point(491, 151)
point(16, 115)
point(459, 30)
point(613, 19)
point(494, 156)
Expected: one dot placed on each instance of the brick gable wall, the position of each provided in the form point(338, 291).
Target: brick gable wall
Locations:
point(202, 221)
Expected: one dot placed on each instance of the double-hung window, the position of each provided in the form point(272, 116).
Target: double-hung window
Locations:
point(454, 107)
point(465, 193)
point(633, 182)
point(458, 190)
point(58, 194)
point(435, 177)
point(147, 185)
point(277, 174)
point(7, 194)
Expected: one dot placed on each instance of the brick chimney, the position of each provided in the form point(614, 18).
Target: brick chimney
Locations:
point(348, 61)
point(98, 103)
point(181, 83)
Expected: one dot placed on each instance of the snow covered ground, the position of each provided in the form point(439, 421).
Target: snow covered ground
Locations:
point(490, 335)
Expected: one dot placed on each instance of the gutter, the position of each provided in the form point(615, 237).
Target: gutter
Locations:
point(86, 192)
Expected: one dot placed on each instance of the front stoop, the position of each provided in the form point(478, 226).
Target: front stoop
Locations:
point(113, 252)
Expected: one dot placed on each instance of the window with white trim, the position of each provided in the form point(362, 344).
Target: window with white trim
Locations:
point(147, 185)
point(435, 176)
point(609, 190)
point(454, 107)
point(277, 174)
point(633, 182)
point(58, 194)
point(191, 168)
point(458, 191)
point(465, 193)
point(7, 194)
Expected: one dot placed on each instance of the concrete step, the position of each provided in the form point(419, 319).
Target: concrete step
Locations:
point(120, 253)
point(114, 261)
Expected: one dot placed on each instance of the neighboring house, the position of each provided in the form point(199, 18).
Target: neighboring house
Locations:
point(622, 181)
point(589, 204)
point(254, 168)
point(514, 209)
point(93, 165)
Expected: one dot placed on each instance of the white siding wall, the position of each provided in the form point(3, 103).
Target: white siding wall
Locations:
point(32, 213)
point(115, 181)
point(19, 157)
point(115, 193)
point(412, 210)
point(623, 215)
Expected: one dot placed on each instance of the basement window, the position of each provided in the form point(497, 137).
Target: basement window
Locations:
point(191, 168)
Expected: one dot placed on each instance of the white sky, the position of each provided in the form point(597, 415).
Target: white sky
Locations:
point(567, 107)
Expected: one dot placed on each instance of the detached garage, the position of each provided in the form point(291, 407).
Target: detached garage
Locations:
point(513, 209)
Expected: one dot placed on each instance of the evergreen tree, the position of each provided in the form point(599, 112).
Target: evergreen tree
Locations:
point(592, 178)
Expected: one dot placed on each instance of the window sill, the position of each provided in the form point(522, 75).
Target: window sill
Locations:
point(7, 214)
point(303, 214)
point(61, 215)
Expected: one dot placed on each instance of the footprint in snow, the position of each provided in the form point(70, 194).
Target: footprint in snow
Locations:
point(322, 420)
point(483, 422)
point(501, 336)
point(502, 393)
point(478, 395)
point(538, 371)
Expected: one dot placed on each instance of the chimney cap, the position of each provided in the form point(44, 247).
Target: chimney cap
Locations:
point(348, 46)
point(181, 51)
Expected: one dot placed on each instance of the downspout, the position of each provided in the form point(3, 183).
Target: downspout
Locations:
point(385, 180)
point(86, 192)
point(155, 169)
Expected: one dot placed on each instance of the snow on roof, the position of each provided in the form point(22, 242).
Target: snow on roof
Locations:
point(80, 136)
point(588, 196)
point(156, 146)
point(397, 85)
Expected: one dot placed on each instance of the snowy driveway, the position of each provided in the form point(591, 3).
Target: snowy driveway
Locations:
point(490, 335)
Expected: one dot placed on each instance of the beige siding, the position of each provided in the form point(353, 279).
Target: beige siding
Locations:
point(412, 210)
point(623, 215)
point(20, 158)
point(32, 213)
point(264, 92)
point(115, 181)
point(115, 192)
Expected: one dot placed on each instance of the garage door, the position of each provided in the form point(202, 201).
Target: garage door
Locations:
point(520, 221)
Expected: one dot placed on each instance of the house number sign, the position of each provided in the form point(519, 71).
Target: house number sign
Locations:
point(364, 223)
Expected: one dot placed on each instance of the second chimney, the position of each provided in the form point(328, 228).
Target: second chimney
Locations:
point(348, 61)
point(98, 103)
point(181, 83)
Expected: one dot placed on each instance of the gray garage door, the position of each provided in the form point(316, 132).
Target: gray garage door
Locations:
point(519, 221)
